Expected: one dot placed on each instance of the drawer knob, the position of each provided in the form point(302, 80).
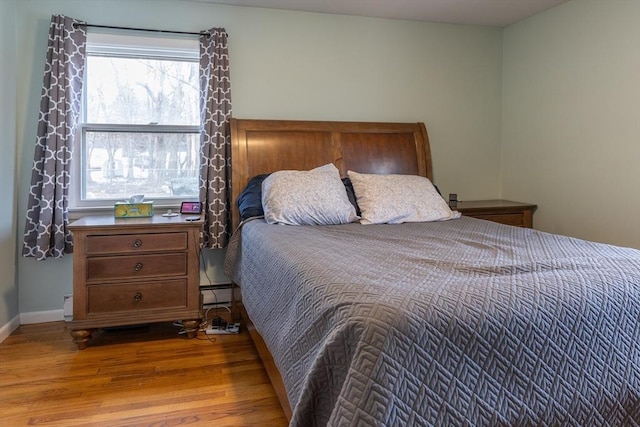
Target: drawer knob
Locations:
point(137, 243)
point(137, 297)
point(138, 266)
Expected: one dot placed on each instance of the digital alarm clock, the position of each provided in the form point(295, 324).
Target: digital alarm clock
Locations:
point(191, 208)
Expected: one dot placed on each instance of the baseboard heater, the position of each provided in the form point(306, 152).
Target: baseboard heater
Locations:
point(216, 294)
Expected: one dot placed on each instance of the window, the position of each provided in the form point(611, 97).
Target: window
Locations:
point(141, 124)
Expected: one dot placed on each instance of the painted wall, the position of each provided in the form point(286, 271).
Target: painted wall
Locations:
point(8, 279)
point(571, 119)
point(299, 65)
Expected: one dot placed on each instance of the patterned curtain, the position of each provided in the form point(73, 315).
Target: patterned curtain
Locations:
point(215, 147)
point(45, 231)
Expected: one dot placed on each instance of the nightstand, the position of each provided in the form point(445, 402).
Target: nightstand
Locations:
point(502, 211)
point(129, 271)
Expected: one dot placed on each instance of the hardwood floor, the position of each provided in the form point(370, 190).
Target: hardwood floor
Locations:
point(147, 376)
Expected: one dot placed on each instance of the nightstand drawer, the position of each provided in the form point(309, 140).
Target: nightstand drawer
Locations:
point(163, 294)
point(508, 219)
point(127, 243)
point(136, 266)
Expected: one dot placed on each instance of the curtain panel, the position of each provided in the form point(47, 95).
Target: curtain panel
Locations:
point(45, 233)
point(215, 147)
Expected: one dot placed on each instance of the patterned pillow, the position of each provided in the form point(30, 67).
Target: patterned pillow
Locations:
point(394, 199)
point(250, 199)
point(315, 197)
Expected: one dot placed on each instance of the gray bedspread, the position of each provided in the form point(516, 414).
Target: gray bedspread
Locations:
point(456, 323)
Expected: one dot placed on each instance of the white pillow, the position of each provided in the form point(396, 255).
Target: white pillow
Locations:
point(394, 199)
point(315, 197)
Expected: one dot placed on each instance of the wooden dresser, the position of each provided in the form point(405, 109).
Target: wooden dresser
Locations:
point(129, 271)
point(502, 211)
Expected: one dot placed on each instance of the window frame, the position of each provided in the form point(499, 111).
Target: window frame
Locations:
point(127, 45)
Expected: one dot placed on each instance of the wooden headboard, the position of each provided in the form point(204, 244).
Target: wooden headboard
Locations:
point(265, 146)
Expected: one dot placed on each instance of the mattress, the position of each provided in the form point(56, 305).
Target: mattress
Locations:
point(463, 322)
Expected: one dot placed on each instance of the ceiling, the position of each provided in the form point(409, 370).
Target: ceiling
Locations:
point(477, 12)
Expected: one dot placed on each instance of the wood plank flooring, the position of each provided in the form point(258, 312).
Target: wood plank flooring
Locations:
point(147, 376)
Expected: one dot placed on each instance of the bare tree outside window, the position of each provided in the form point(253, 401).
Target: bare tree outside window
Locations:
point(142, 128)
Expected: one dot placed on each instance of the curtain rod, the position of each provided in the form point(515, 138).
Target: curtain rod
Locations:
point(144, 29)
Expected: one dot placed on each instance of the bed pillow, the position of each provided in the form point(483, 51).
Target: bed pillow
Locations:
point(351, 194)
point(250, 200)
point(315, 197)
point(394, 199)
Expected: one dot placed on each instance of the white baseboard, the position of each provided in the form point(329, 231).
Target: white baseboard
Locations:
point(8, 328)
point(41, 317)
point(27, 318)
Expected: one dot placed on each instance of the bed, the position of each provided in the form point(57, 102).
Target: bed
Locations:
point(456, 322)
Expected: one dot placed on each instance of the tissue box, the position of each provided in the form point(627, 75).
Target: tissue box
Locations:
point(133, 210)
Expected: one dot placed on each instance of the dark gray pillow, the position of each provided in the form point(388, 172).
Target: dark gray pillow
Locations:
point(351, 194)
point(250, 200)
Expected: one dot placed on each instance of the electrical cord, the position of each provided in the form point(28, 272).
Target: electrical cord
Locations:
point(216, 320)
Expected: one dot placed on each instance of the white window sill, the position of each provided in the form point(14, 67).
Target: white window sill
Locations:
point(76, 213)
